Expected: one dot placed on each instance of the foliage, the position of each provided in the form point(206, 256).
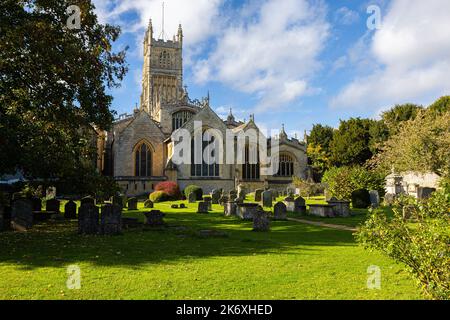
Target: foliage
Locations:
point(170, 188)
point(422, 145)
point(318, 158)
point(351, 142)
point(196, 189)
point(341, 182)
point(379, 133)
point(394, 117)
point(423, 245)
point(321, 136)
point(53, 87)
point(159, 196)
point(360, 199)
point(440, 106)
point(308, 189)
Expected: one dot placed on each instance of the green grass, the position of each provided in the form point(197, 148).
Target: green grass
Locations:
point(293, 261)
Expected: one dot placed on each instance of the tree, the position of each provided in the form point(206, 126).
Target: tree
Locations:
point(398, 114)
point(442, 105)
point(379, 133)
point(321, 136)
point(351, 142)
point(53, 86)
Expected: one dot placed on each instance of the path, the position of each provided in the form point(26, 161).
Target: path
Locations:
point(322, 224)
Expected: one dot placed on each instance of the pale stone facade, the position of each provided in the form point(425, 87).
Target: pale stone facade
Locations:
point(138, 149)
point(410, 182)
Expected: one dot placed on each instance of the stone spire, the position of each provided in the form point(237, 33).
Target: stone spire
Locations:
point(230, 117)
point(180, 33)
point(283, 134)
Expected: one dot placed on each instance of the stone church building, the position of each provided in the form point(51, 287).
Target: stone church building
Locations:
point(138, 149)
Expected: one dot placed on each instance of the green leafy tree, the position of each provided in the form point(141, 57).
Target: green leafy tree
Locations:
point(440, 106)
point(394, 117)
point(351, 143)
point(53, 86)
point(321, 136)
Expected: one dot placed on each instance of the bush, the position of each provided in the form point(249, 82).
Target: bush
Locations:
point(420, 243)
point(196, 189)
point(159, 196)
point(308, 189)
point(170, 188)
point(341, 182)
point(360, 199)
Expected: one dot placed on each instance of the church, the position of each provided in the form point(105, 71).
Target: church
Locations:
point(138, 151)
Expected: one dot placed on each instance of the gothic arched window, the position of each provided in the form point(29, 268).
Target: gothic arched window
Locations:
point(180, 118)
point(142, 160)
point(286, 166)
point(206, 168)
point(251, 168)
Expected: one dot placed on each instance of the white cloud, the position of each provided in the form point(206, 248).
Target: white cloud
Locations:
point(412, 51)
point(271, 51)
point(198, 17)
point(346, 16)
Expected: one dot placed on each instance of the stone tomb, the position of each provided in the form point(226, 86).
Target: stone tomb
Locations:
point(70, 210)
point(22, 215)
point(132, 204)
point(321, 210)
point(245, 211)
point(300, 205)
point(230, 209)
point(202, 207)
point(261, 221)
point(154, 218)
point(88, 219)
point(279, 211)
point(267, 199)
point(341, 208)
point(111, 219)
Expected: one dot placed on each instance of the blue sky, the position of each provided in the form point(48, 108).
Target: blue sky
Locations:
point(296, 62)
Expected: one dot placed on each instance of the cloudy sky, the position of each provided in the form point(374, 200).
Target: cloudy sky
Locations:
point(296, 62)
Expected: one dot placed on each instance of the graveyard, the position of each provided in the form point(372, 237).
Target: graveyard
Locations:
point(181, 252)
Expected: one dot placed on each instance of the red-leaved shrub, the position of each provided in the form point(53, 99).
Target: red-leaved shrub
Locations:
point(170, 188)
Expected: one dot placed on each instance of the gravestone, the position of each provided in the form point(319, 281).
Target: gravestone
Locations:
point(289, 201)
point(132, 203)
point(111, 220)
point(275, 195)
point(424, 193)
point(230, 208)
point(192, 197)
point(36, 204)
point(261, 222)
point(267, 199)
point(52, 206)
point(207, 199)
point(374, 198)
point(88, 219)
point(148, 204)
point(88, 200)
point(300, 205)
point(154, 218)
point(117, 200)
point(341, 208)
point(258, 193)
point(21, 215)
point(70, 210)
point(215, 196)
point(202, 207)
point(321, 210)
point(280, 211)
point(245, 211)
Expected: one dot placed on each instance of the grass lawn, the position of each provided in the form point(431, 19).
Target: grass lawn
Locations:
point(293, 261)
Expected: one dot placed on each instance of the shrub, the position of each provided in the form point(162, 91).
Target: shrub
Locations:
point(170, 188)
point(196, 189)
point(159, 196)
point(360, 199)
point(420, 243)
point(308, 189)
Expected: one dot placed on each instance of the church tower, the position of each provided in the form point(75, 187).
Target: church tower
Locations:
point(162, 80)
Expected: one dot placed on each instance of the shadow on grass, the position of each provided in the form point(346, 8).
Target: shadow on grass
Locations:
point(58, 244)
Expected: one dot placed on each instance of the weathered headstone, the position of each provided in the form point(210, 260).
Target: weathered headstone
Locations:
point(36, 204)
point(154, 218)
point(215, 196)
point(148, 204)
point(21, 215)
point(52, 206)
point(374, 198)
point(192, 197)
point(300, 205)
point(289, 201)
point(207, 199)
point(111, 220)
point(230, 208)
point(280, 211)
point(70, 210)
point(341, 208)
point(88, 219)
point(202, 207)
point(267, 198)
point(258, 193)
point(245, 211)
point(132, 203)
point(88, 200)
point(117, 200)
point(261, 222)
